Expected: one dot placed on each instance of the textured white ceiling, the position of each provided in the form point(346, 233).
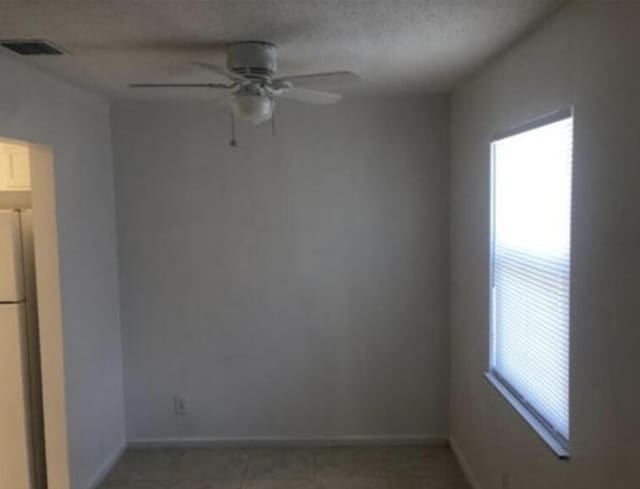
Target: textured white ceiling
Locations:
point(395, 45)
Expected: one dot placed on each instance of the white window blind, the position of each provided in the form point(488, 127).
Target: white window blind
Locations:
point(530, 274)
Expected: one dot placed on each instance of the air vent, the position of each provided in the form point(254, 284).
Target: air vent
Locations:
point(32, 47)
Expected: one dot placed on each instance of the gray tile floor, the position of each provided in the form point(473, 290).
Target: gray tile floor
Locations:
point(285, 468)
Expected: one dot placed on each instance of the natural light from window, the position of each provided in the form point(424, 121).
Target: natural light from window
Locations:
point(531, 269)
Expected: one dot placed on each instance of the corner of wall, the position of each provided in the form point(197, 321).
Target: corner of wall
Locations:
point(106, 467)
point(464, 464)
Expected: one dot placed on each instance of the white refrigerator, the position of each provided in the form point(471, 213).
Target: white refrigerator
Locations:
point(21, 442)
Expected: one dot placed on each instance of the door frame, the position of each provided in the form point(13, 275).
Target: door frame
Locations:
point(45, 231)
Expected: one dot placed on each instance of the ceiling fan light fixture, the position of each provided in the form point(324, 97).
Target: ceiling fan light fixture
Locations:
point(255, 108)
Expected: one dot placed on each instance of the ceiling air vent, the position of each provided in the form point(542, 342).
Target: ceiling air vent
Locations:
point(31, 47)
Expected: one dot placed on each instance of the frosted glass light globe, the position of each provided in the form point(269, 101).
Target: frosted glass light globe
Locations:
point(254, 108)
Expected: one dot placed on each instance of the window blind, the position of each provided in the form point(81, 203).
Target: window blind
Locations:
point(530, 276)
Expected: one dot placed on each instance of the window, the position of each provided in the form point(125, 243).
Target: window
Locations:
point(530, 273)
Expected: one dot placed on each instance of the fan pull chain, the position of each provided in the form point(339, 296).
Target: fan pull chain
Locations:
point(233, 143)
point(273, 124)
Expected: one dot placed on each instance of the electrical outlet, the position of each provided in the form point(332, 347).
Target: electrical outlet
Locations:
point(180, 406)
point(505, 480)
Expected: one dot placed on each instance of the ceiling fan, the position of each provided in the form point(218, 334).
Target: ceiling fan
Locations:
point(252, 86)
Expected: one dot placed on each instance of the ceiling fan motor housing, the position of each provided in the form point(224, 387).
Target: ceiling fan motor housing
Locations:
point(253, 59)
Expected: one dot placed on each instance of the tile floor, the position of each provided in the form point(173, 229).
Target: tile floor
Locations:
point(286, 468)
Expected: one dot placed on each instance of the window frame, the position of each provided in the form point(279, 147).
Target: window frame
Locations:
point(554, 440)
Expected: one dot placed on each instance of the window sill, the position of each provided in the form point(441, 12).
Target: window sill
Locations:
point(552, 442)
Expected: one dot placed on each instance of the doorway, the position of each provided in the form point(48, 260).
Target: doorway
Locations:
point(33, 447)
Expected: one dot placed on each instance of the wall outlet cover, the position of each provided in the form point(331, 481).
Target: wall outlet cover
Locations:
point(180, 406)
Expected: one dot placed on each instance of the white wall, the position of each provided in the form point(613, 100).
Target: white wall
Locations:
point(75, 125)
point(587, 56)
point(294, 287)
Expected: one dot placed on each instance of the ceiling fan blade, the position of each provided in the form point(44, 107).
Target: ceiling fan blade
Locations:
point(328, 77)
point(310, 96)
point(178, 85)
point(222, 71)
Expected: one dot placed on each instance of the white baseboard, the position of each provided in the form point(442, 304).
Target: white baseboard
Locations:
point(464, 464)
point(301, 442)
point(103, 471)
